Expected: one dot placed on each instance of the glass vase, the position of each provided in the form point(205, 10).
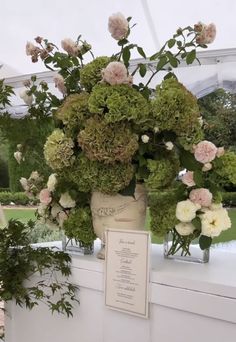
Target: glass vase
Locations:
point(74, 246)
point(174, 250)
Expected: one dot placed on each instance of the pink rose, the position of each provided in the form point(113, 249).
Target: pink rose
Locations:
point(70, 47)
point(60, 83)
point(118, 26)
point(205, 152)
point(187, 179)
point(45, 196)
point(116, 73)
point(31, 49)
point(201, 196)
point(220, 152)
point(206, 33)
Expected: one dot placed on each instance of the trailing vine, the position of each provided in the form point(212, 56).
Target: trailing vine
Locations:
point(48, 270)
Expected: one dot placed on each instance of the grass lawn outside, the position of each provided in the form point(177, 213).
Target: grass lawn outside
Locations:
point(28, 214)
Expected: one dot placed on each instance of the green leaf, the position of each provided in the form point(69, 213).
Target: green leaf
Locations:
point(190, 57)
point(197, 223)
point(205, 242)
point(198, 178)
point(130, 189)
point(48, 60)
point(33, 78)
point(162, 62)
point(188, 161)
point(171, 43)
point(141, 52)
point(154, 56)
point(123, 42)
point(142, 161)
point(170, 75)
point(126, 56)
point(172, 60)
point(179, 43)
point(142, 70)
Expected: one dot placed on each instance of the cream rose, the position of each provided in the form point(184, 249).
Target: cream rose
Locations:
point(118, 26)
point(186, 211)
point(214, 222)
point(185, 228)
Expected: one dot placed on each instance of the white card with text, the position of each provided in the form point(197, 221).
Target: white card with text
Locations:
point(127, 271)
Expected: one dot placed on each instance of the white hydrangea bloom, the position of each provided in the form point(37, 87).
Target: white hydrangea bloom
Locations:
point(52, 181)
point(66, 201)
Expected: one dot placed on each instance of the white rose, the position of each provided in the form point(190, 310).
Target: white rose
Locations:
point(66, 201)
point(18, 156)
point(185, 228)
point(28, 99)
point(186, 211)
point(55, 210)
point(24, 183)
point(156, 129)
point(214, 222)
point(145, 138)
point(169, 145)
point(52, 181)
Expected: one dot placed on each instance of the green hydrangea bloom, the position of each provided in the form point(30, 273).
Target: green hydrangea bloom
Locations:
point(93, 175)
point(91, 74)
point(162, 208)
point(224, 167)
point(79, 226)
point(119, 102)
point(162, 171)
point(107, 142)
point(191, 137)
point(74, 111)
point(58, 150)
point(176, 109)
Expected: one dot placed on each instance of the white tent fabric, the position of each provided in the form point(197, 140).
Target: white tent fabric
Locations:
point(156, 22)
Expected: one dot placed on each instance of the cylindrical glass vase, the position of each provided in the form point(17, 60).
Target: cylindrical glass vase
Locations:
point(174, 250)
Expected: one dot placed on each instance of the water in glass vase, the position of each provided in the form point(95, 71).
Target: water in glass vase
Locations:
point(175, 248)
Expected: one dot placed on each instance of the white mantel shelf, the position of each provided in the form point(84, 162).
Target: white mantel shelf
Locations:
point(188, 303)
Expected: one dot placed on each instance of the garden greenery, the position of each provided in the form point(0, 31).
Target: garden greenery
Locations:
point(20, 261)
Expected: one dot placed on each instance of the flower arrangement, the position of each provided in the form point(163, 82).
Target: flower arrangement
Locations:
point(112, 133)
